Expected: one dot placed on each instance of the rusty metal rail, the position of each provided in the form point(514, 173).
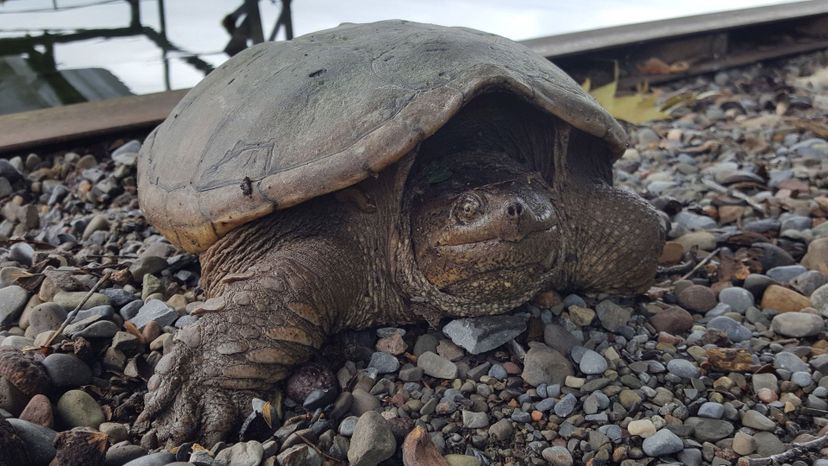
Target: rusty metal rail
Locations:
point(704, 43)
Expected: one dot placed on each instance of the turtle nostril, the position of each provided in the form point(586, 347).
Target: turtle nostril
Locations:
point(514, 210)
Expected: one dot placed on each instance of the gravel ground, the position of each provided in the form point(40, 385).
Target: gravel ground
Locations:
point(726, 357)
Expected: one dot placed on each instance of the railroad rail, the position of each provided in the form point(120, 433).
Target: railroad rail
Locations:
point(689, 45)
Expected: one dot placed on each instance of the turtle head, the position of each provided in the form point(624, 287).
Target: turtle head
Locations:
point(483, 227)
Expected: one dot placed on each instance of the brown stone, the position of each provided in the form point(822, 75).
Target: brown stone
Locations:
point(39, 411)
point(730, 213)
point(817, 256)
point(548, 299)
point(393, 344)
point(697, 298)
point(672, 253)
point(672, 320)
point(151, 331)
point(783, 299)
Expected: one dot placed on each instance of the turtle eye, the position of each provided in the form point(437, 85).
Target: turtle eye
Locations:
point(467, 208)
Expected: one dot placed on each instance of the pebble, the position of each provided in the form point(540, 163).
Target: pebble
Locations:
point(697, 298)
point(756, 420)
point(735, 331)
point(77, 408)
point(384, 363)
point(797, 324)
point(789, 361)
point(39, 440)
point(612, 316)
point(544, 365)
point(67, 370)
point(156, 310)
point(739, 299)
point(241, 454)
point(557, 456)
point(473, 420)
point(683, 368)
point(711, 410)
point(71, 299)
point(436, 366)
point(502, 430)
point(480, 334)
point(643, 428)
point(12, 301)
point(372, 442)
point(782, 299)
point(664, 442)
point(709, 430)
point(39, 411)
point(673, 320)
point(299, 455)
point(161, 458)
point(592, 363)
point(123, 452)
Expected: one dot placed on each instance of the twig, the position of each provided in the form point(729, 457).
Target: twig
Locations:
point(318, 450)
point(794, 451)
point(74, 312)
point(700, 264)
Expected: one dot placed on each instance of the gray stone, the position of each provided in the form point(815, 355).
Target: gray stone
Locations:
point(764, 380)
point(663, 442)
point(67, 370)
point(711, 410)
point(498, 372)
point(802, 379)
point(566, 405)
point(363, 402)
point(101, 329)
point(756, 420)
point(12, 301)
point(785, 273)
point(683, 368)
point(437, 366)
point(347, 425)
point(77, 408)
point(797, 324)
point(694, 222)
point(372, 442)
point(45, 317)
point(299, 455)
point(735, 331)
point(122, 453)
point(161, 458)
point(502, 430)
point(71, 299)
point(709, 430)
point(690, 457)
point(612, 316)
point(592, 363)
point(156, 310)
point(739, 299)
point(241, 454)
point(384, 363)
point(545, 365)
point(473, 420)
point(39, 441)
point(11, 399)
point(557, 337)
point(789, 362)
point(809, 282)
point(480, 334)
point(557, 456)
point(424, 343)
point(768, 444)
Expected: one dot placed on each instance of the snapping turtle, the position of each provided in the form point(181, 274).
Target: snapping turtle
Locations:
point(371, 174)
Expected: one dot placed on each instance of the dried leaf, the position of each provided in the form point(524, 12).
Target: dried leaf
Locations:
point(730, 359)
point(655, 65)
point(418, 450)
point(636, 108)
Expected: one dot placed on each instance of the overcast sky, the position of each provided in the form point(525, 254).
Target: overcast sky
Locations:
point(194, 24)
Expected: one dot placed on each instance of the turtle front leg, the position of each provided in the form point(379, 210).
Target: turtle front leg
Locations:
point(265, 320)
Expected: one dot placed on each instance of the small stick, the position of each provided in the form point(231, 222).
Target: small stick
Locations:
point(700, 264)
point(795, 450)
point(74, 312)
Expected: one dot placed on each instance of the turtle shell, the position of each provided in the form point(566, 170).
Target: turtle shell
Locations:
point(281, 123)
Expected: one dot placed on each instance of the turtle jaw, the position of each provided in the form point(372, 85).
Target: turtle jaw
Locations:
point(492, 243)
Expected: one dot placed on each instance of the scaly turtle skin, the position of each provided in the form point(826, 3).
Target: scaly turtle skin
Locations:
point(375, 174)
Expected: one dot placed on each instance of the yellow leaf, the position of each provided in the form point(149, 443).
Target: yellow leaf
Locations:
point(636, 108)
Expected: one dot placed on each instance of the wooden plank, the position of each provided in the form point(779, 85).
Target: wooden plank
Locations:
point(54, 125)
point(590, 41)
